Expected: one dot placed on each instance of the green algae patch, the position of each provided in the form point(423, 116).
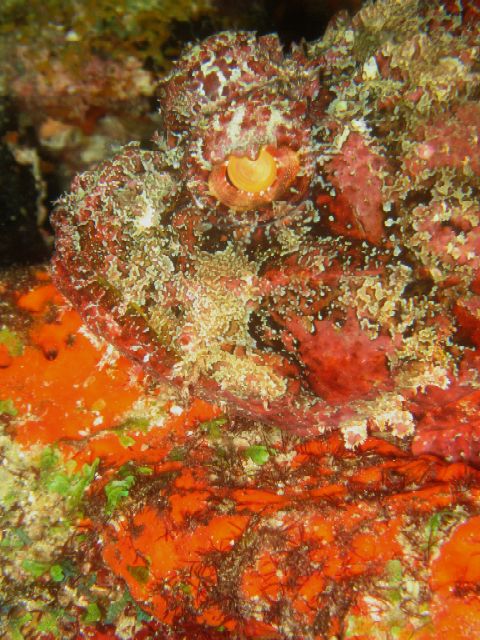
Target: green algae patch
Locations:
point(12, 342)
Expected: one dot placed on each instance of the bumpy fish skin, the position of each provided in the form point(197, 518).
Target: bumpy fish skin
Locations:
point(343, 285)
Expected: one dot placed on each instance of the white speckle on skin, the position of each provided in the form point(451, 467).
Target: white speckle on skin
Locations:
point(176, 410)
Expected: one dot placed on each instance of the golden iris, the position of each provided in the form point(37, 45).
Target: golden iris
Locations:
point(253, 176)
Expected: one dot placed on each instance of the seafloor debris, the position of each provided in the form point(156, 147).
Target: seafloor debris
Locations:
point(303, 243)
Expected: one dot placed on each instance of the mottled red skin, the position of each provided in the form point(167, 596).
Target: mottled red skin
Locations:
point(467, 313)
point(357, 173)
point(449, 424)
point(322, 351)
point(318, 260)
point(448, 141)
point(193, 75)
